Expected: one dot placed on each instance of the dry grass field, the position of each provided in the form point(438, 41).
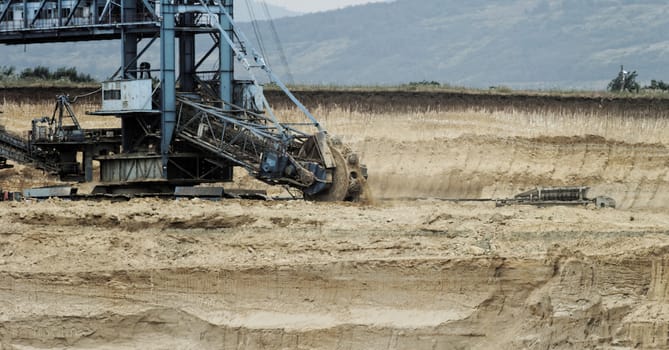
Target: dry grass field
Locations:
point(408, 271)
point(18, 115)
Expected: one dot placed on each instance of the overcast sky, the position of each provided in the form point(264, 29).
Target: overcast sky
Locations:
point(317, 5)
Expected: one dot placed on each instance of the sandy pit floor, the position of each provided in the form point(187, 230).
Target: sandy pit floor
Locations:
point(408, 271)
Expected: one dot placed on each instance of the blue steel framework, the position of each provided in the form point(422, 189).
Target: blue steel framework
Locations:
point(203, 130)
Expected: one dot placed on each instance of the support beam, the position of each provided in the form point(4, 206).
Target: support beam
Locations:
point(5, 10)
point(209, 52)
point(150, 9)
point(95, 12)
point(88, 164)
point(72, 11)
point(39, 10)
point(136, 58)
point(105, 11)
point(25, 13)
point(60, 12)
point(226, 57)
point(129, 40)
point(187, 54)
point(168, 82)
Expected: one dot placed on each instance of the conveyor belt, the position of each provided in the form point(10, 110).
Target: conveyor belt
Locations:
point(19, 150)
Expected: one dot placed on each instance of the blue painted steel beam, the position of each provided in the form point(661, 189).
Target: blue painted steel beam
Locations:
point(5, 10)
point(209, 52)
point(187, 54)
point(39, 9)
point(226, 58)
point(95, 12)
point(135, 59)
point(25, 13)
point(168, 81)
point(69, 18)
point(105, 10)
point(128, 40)
point(149, 8)
point(242, 54)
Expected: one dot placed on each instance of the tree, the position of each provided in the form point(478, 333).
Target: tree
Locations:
point(39, 72)
point(657, 85)
point(7, 72)
point(424, 83)
point(62, 73)
point(625, 81)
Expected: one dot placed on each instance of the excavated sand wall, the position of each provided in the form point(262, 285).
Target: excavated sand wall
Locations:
point(400, 273)
point(472, 166)
point(561, 302)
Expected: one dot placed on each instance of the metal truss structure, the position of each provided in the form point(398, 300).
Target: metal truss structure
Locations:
point(190, 125)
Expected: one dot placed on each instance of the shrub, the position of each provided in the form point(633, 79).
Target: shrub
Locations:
point(62, 73)
point(657, 85)
point(425, 83)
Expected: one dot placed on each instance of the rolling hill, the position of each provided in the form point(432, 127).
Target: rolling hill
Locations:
point(242, 13)
point(517, 43)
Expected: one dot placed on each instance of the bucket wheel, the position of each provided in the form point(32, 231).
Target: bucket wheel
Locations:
point(348, 178)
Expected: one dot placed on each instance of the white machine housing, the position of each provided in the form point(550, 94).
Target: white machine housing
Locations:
point(126, 95)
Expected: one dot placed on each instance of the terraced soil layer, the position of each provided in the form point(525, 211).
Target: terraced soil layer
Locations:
point(293, 275)
point(407, 271)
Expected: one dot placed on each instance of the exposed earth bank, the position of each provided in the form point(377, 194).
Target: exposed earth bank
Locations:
point(293, 275)
point(407, 271)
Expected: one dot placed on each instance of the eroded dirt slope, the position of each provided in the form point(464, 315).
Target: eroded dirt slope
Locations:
point(293, 275)
point(399, 273)
point(497, 155)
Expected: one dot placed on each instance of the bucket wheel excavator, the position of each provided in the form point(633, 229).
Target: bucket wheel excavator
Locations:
point(319, 165)
point(251, 136)
point(189, 125)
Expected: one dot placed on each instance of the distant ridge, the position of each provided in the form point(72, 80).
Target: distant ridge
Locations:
point(541, 44)
point(528, 44)
point(242, 12)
